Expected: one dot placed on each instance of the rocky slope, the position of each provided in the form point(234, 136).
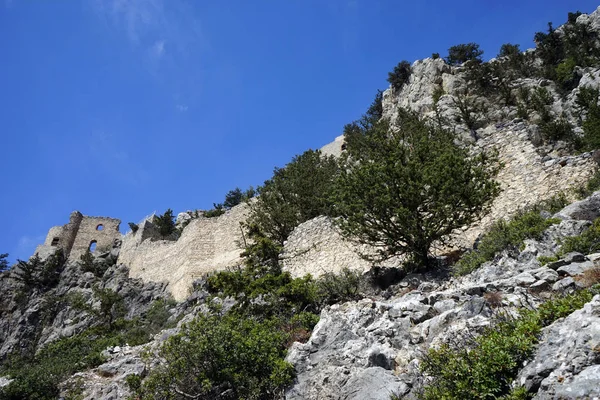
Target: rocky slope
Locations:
point(372, 348)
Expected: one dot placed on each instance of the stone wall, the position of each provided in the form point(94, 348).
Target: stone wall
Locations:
point(76, 237)
point(102, 231)
point(205, 245)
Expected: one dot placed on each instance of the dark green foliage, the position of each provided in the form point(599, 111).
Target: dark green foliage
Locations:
point(586, 243)
point(112, 305)
point(400, 75)
point(3, 262)
point(222, 357)
point(435, 56)
point(89, 264)
point(261, 288)
point(471, 110)
point(462, 53)
point(509, 50)
point(26, 272)
point(334, 288)
point(485, 367)
point(505, 235)
point(35, 274)
point(217, 211)
point(50, 272)
point(233, 198)
point(587, 100)
point(134, 227)
point(550, 49)
point(37, 377)
point(580, 42)
point(294, 194)
point(557, 129)
point(566, 75)
point(165, 223)
point(592, 185)
point(402, 191)
point(237, 196)
point(354, 132)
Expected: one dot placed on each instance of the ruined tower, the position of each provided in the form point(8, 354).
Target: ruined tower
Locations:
point(81, 233)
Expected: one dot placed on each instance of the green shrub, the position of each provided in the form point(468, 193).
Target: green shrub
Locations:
point(223, 357)
point(335, 288)
point(587, 101)
point(400, 75)
point(586, 243)
point(547, 259)
point(485, 367)
point(217, 211)
point(504, 235)
point(403, 207)
point(38, 376)
point(3, 262)
point(592, 185)
point(566, 75)
point(87, 263)
point(463, 53)
point(509, 50)
point(134, 227)
point(435, 56)
point(558, 129)
point(165, 223)
point(38, 274)
point(472, 111)
point(295, 194)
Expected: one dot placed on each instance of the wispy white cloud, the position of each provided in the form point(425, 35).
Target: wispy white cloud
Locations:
point(158, 49)
point(105, 152)
point(27, 244)
point(182, 107)
point(165, 34)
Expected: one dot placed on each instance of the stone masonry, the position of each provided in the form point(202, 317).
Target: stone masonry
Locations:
point(205, 245)
point(80, 234)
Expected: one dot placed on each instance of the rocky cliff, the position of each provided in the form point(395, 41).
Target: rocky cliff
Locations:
point(121, 300)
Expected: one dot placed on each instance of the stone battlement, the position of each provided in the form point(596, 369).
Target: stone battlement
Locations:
point(81, 233)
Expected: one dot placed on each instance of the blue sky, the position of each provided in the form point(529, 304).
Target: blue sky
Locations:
point(124, 107)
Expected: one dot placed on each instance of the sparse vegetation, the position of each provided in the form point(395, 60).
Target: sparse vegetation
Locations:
point(89, 264)
point(505, 235)
point(586, 243)
point(37, 376)
point(485, 366)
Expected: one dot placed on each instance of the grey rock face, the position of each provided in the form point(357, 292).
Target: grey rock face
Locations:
point(386, 339)
point(21, 319)
point(567, 363)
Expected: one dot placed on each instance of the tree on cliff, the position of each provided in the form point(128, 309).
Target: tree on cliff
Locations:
point(165, 223)
point(3, 262)
point(296, 193)
point(408, 187)
point(461, 53)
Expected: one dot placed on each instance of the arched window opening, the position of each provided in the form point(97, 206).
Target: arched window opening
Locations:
point(55, 241)
point(93, 246)
point(100, 227)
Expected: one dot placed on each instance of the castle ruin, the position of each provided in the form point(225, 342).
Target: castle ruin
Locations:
point(82, 233)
